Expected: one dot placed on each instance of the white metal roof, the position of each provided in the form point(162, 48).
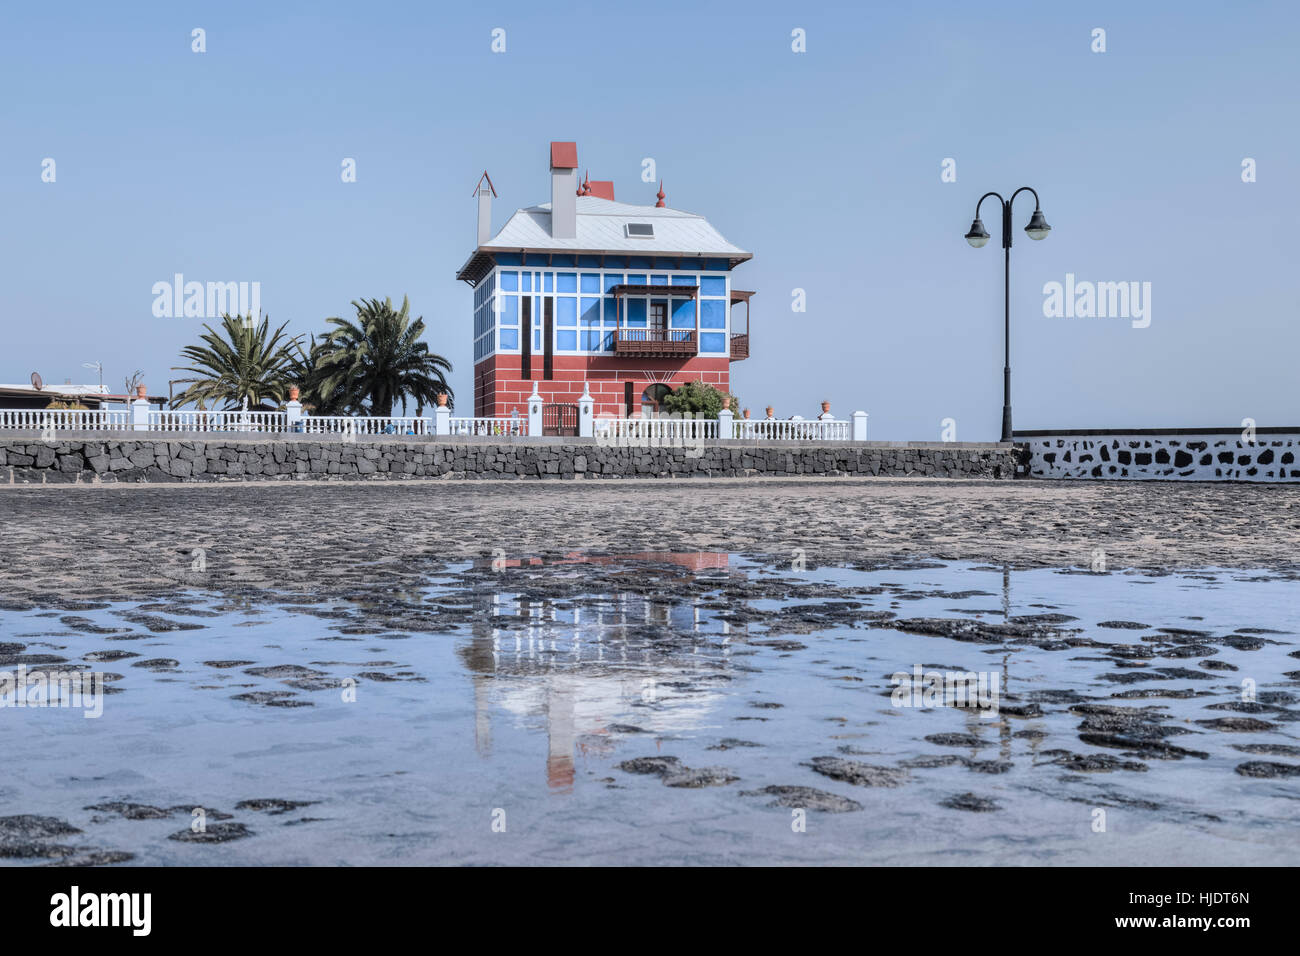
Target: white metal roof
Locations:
point(601, 225)
point(52, 389)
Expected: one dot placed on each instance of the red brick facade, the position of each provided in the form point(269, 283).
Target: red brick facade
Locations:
point(499, 388)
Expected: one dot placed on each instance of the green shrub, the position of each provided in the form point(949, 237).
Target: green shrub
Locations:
point(698, 400)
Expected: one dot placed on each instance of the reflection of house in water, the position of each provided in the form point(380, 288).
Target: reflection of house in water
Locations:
point(582, 662)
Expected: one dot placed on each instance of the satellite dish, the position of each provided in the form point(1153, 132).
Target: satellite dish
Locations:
point(36, 381)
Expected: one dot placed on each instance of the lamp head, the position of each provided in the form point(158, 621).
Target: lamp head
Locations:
point(978, 235)
point(1038, 227)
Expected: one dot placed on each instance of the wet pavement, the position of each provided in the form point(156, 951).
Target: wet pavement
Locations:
point(658, 707)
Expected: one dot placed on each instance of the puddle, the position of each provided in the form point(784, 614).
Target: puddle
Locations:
point(668, 708)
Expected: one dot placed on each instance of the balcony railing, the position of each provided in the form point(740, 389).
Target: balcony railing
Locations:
point(655, 342)
point(739, 347)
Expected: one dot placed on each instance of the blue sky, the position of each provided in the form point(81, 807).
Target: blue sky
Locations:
point(825, 164)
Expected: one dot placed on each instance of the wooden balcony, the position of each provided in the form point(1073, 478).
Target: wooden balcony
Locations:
point(656, 343)
point(739, 347)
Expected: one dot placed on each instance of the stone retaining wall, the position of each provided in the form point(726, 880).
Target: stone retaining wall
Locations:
point(172, 459)
point(1269, 454)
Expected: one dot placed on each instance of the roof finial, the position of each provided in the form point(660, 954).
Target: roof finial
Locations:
point(584, 189)
point(661, 195)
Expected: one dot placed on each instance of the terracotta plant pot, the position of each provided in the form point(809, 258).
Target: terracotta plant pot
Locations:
point(745, 413)
point(770, 411)
point(442, 399)
point(293, 393)
point(141, 392)
point(826, 406)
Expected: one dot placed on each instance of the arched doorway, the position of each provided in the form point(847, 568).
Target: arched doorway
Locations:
point(652, 398)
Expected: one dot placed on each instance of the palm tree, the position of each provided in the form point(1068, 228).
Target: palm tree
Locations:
point(307, 373)
point(247, 362)
point(379, 358)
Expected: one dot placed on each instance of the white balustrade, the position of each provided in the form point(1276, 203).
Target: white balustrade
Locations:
point(217, 421)
point(660, 429)
point(649, 429)
point(489, 427)
point(362, 425)
point(64, 419)
point(792, 430)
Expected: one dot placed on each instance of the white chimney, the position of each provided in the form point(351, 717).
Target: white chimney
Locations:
point(485, 192)
point(564, 190)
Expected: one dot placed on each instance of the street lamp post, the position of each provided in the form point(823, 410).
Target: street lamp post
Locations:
point(99, 367)
point(977, 237)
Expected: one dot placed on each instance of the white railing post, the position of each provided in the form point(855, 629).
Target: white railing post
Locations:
point(534, 413)
point(586, 406)
point(442, 417)
point(292, 410)
point(859, 426)
point(725, 427)
point(140, 410)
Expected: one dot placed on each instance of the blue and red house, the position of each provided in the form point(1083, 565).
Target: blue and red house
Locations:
point(627, 301)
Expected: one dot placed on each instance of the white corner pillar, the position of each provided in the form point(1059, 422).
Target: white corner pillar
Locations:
point(859, 426)
point(725, 427)
point(586, 413)
point(293, 413)
point(534, 413)
point(140, 410)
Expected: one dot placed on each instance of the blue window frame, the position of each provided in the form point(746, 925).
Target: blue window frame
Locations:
point(509, 309)
point(713, 314)
point(683, 314)
point(566, 310)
